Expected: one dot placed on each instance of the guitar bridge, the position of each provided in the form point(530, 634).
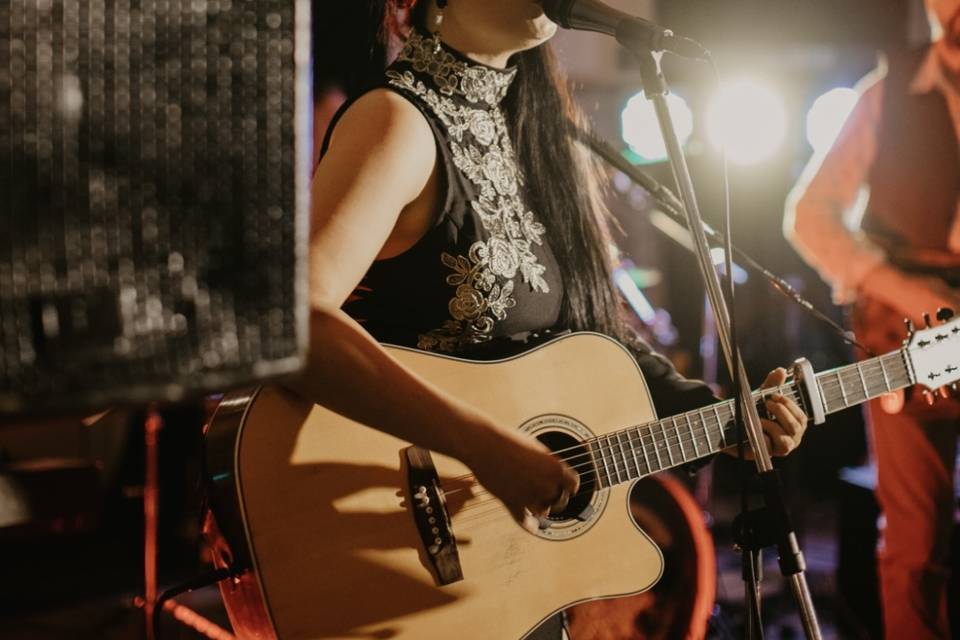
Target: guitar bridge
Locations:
point(429, 509)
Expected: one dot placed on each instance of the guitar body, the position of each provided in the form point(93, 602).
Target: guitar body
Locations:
point(328, 526)
point(354, 534)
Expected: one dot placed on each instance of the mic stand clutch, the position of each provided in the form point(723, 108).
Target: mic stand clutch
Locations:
point(791, 558)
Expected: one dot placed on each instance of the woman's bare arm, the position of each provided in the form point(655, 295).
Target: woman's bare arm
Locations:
point(374, 195)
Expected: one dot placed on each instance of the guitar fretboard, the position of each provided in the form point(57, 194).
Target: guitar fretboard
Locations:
point(639, 451)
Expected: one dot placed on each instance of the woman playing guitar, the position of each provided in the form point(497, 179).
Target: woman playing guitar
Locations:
point(453, 213)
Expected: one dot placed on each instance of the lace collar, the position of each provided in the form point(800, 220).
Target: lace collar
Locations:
point(455, 74)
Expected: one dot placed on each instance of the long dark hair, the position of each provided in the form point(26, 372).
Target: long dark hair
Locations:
point(561, 179)
point(563, 187)
point(349, 43)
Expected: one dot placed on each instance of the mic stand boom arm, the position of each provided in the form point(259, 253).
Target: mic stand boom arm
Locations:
point(791, 558)
point(669, 204)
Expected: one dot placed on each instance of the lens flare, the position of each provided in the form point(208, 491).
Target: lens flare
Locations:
point(827, 115)
point(748, 120)
point(641, 131)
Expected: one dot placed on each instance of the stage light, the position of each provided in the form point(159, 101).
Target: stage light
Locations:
point(641, 131)
point(748, 120)
point(827, 115)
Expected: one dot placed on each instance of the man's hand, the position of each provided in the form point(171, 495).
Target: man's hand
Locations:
point(908, 294)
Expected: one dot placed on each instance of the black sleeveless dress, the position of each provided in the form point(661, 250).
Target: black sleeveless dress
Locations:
point(484, 271)
point(484, 275)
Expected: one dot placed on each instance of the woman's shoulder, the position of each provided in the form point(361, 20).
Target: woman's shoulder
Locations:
point(382, 117)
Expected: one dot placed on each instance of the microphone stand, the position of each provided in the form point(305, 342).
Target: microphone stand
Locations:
point(670, 205)
point(775, 516)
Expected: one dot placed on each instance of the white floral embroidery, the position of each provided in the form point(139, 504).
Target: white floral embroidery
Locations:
point(474, 82)
point(484, 279)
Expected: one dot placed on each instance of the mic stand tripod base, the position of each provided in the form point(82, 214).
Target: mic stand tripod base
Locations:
point(655, 89)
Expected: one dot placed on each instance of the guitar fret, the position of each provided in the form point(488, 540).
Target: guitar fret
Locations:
point(683, 454)
point(636, 461)
point(616, 459)
point(613, 459)
point(883, 370)
point(908, 369)
point(656, 450)
point(603, 459)
point(643, 450)
point(723, 438)
point(729, 427)
point(626, 463)
point(666, 441)
point(863, 382)
point(693, 436)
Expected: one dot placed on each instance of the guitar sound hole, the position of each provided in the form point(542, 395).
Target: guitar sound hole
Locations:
point(578, 457)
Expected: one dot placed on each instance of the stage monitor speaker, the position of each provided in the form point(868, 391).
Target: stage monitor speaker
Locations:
point(154, 161)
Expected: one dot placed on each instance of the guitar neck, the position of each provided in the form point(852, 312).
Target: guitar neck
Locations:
point(857, 383)
point(639, 451)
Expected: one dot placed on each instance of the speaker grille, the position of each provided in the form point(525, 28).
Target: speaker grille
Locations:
point(152, 180)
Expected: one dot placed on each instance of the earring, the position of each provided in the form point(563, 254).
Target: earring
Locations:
point(437, 24)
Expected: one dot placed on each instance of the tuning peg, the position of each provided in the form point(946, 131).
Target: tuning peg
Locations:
point(930, 397)
point(944, 392)
point(944, 314)
point(908, 323)
point(926, 319)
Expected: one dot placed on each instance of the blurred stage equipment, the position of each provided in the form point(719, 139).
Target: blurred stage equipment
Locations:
point(155, 166)
point(154, 180)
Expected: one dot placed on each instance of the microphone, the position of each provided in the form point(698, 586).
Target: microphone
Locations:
point(631, 32)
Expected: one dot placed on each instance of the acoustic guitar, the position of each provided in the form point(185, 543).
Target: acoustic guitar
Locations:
point(352, 533)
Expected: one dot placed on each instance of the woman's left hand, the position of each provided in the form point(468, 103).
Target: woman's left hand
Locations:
point(785, 431)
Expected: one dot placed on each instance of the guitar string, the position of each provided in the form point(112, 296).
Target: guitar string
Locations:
point(711, 428)
point(707, 425)
point(677, 436)
point(787, 389)
point(635, 435)
point(493, 506)
point(616, 448)
point(616, 442)
point(484, 497)
point(670, 443)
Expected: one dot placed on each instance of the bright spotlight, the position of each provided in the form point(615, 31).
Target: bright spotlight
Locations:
point(641, 131)
point(748, 120)
point(827, 115)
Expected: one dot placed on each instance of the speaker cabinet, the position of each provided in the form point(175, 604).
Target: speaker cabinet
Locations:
point(154, 159)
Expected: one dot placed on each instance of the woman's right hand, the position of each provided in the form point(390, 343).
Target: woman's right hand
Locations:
point(522, 473)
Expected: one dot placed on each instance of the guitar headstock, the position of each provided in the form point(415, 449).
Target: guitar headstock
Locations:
point(934, 352)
